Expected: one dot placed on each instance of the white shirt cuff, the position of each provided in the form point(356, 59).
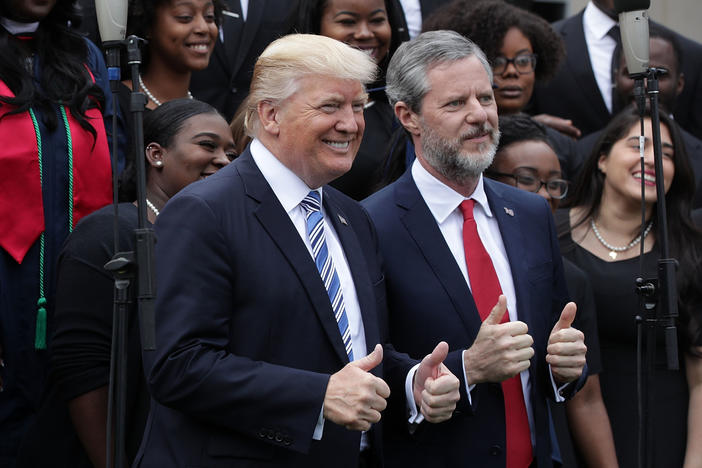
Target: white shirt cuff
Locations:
point(556, 390)
point(415, 417)
point(319, 428)
point(469, 386)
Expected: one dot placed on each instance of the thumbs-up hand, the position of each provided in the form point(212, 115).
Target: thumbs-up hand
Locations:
point(566, 348)
point(435, 387)
point(355, 397)
point(500, 350)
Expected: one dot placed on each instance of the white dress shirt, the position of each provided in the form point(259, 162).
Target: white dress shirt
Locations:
point(413, 16)
point(443, 203)
point(290, 191)
point(596, 25)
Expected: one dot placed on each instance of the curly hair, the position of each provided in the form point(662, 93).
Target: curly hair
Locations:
point(64, 78)
point(486, 23)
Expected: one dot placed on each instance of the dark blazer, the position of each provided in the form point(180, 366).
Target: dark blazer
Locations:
point(225, 82)
point(693, 148)
point(424, 282)
point(573, 92)
point(246, 337)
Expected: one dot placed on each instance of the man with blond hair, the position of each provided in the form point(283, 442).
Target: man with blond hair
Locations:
point(271, 306)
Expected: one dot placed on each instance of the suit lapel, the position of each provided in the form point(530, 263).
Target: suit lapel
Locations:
point(254, 17)
point(511, 228)
point(357, 265)
point(277, 224)
point(578, 62)
point(423, 229)
point(232, 31)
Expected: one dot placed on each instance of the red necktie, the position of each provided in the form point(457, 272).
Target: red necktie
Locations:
point(486, 290)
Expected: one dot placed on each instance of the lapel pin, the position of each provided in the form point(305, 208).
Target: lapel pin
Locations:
point(343, 220)
point(509, 211)
point(230, 13)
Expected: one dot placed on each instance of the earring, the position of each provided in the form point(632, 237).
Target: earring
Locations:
point(158, 163)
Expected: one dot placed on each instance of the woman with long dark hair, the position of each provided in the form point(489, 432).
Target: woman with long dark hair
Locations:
point(602, 234)
point(54, 169)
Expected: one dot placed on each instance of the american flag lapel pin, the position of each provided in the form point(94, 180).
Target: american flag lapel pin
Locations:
point(509, 211)
point(343, 220)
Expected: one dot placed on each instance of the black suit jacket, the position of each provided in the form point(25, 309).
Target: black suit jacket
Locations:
point(225, 82)
point(573, 92)
point(429, 299)
point(246, 336)
point(693, 148)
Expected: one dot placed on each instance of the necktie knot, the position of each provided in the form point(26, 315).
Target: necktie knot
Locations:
point(466, 208)
point(614, 33)
point(311, 203)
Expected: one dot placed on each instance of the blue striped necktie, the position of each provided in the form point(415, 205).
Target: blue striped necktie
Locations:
point(315, 231)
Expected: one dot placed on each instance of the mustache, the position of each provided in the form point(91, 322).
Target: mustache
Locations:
point(484, 128)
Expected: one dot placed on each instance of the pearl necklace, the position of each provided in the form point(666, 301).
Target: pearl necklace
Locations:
point(152, 206)
point(613, 250)
point(151, 96)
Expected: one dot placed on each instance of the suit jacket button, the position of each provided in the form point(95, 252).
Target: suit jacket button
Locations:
point(278, 437)
point(287, 440)
point(234, 90)
point(495, 450)
point(270, 434)
point(262, 433)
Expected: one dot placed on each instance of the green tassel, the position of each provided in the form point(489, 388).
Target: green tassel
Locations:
point(40, 336)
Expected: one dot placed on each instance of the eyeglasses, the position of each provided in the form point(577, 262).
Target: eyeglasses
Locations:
point(524, 63)
point(556, 188)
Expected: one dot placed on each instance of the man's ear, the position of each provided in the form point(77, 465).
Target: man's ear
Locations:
point(408, 118)
point(269, 116)
point(680, 85)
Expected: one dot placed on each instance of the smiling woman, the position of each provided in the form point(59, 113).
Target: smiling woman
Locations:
point(602, 235)
point(181, 36)
point(374, 26)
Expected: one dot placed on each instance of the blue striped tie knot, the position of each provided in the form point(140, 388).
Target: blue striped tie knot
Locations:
point(311, 204)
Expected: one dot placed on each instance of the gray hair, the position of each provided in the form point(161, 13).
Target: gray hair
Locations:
point(407, 72)
point(286, 60)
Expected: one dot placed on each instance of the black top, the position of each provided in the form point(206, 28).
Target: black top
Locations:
point(617, 306)
point(80, 349)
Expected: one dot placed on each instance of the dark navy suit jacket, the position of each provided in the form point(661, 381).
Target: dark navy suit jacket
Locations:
point(225, 82)
point(429, 300)
point(246, 337)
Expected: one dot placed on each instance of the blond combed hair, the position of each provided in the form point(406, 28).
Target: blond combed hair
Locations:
point(286, 60)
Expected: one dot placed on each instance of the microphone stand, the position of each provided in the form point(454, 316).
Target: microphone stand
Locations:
point(125, 266)
point(659, 295)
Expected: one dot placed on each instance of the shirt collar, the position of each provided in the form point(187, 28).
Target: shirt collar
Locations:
point(597, 21)
point(15, 27)
point(441, 199)
point(286, 185)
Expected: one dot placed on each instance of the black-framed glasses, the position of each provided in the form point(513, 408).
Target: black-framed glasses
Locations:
point(523, 63)
point(556, 188)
